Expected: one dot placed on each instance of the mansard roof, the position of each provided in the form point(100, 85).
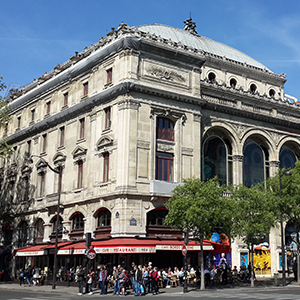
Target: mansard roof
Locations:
point(199, 42)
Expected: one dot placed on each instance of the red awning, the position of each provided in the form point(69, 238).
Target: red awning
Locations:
point(38, 250)
point(133, 245)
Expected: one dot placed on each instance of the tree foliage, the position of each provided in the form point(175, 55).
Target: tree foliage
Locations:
point(5, 149)
point(199, 207)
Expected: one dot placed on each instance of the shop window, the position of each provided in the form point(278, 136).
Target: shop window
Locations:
point(103, 218)
point(164, 166)
point(156, 217)
point(107, 118)
point(164, 129)
point(78, 221)
point(39, 228)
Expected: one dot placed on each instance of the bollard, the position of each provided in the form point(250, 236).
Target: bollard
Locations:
point(276, 279)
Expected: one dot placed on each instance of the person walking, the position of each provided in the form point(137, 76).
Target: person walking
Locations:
point(137, 280)
point(154, 281)
point(102, 279)
point(131, 274)
point(90, 280)
point(21, 277)
point(80, 279)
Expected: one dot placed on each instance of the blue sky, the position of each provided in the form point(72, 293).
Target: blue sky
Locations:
point(37, 35)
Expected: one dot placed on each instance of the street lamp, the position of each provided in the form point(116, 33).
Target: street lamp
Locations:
point(287, 173)
point(59, 172)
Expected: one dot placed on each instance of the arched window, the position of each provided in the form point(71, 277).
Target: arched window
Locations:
point(255, 163)
point(39, 228)
point(103, 218)
point(217, 160)
point(211, 77)
point(164, 129)
point(77, 221)
point(287, 158)
point(53, 221)
point(157, 217)
point(253, 88)
point(233, 82)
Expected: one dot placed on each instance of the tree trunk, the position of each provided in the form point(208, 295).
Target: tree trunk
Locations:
point(298, 261)
point(252, 266)
point(202, 287)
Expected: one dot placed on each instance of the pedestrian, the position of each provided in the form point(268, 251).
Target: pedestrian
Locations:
point(131, 275)
point(154, 280)
point(122, 282)
point(146, 282)
point(116, 274)
point(137, 279)
point(90, 280)
point(80, 279)
point(102, 279)
point(21, 277)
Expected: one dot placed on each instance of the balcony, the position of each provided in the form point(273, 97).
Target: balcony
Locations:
point(163, 187)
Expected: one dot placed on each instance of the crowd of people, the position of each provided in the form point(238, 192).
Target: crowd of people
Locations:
point(138, 279)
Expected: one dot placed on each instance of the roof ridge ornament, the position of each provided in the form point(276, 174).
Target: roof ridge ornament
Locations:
point(190, 26)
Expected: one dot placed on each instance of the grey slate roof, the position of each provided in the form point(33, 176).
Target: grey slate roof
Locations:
point(199, 42)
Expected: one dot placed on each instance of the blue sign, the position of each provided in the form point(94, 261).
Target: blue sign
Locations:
point(133, 222)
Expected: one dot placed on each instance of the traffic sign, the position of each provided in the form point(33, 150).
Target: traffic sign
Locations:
point(184, 249)
point(91, 254)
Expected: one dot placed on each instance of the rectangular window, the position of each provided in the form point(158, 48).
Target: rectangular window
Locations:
point(44, 145)
point(19, 122)
point(15, 154)
point(164, 166)
point(165, 129)
point(106, 167)
point(85, 89)
point(32, 115)
point(81, 128)
point(28, 148)
point(42, 185)
point(107, 118)
point(80, 175)
point(62, 136)
point(109, 75)
point(48, 108)
point(66, 99)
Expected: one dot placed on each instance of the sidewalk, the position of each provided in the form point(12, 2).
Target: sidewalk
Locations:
point(260, 283)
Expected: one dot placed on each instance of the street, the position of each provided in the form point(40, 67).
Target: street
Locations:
point(266, 293)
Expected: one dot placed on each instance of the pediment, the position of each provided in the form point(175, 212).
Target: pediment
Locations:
point(104, 141)
point(79, 151)
point(59, 157)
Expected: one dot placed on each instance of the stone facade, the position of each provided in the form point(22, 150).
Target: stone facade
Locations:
point(96, 115)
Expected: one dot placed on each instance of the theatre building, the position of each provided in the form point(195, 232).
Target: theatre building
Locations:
point(127, 119)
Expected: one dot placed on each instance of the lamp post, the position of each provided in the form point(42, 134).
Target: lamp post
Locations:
point(287, 173)
point(59, 172)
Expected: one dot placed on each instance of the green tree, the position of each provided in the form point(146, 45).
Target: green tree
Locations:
point(5, 149)
point(252, 215)
point(287, 207)
point(199, 207)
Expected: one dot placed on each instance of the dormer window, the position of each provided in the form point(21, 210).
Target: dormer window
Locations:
point(253, 88)
point(272, 93)
point(211, 77)
point(233, 83)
